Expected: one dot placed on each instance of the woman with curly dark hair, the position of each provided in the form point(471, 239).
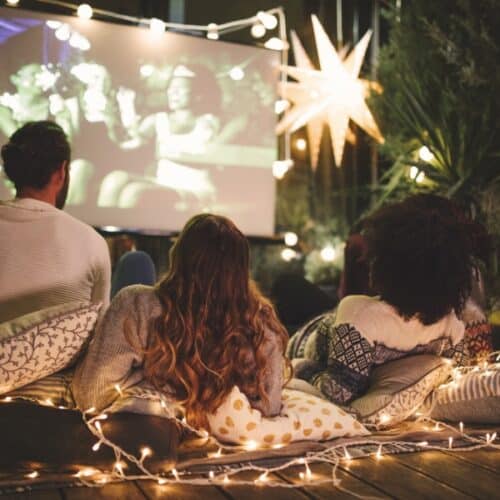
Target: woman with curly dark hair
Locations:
point(420, 259)
point(203, 329)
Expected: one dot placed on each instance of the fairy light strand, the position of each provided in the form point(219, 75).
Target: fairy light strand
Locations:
point(451, 439)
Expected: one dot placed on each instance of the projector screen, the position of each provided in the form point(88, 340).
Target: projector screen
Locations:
point(162, 126)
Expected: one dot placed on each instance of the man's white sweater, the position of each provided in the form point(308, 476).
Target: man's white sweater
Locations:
point(47, 257)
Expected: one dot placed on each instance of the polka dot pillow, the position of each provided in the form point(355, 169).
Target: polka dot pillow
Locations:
point(302, 416)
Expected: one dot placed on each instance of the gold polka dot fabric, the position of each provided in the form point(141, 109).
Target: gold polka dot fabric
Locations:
point(302, 417)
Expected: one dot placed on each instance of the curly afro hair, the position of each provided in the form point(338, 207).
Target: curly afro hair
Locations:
point(34, 152)
point(420, 254)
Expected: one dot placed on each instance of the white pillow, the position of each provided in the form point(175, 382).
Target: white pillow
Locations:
point(43, 342)
point(302, 416)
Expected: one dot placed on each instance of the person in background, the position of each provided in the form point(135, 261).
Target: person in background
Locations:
point(420, 263)
point(203, 329)
point(47, 257)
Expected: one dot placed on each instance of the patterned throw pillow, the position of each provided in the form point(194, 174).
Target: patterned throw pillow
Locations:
point(398, 388)
point(44, 342)
point(302, 416)
point(473, 398)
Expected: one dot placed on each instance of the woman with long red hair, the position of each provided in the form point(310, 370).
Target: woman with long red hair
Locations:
point(203, 329)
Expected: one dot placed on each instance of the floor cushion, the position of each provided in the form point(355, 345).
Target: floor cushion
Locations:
point(398, 388)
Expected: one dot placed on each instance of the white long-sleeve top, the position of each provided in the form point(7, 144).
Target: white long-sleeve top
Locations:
point(47, 257)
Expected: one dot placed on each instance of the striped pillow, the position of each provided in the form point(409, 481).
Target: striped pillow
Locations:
point(474, 398)
point(54, 390)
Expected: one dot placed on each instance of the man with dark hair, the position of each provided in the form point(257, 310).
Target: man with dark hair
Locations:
point(47, 257)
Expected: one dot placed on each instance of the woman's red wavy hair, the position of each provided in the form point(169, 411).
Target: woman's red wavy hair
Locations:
point(213, 317)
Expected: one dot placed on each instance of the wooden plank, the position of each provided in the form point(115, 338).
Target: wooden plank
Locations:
point(153, 491)
point(399, 481)
point(127, 490)
point(465, 477)
point(489, 459)
point(34, 495)
point(261, 491)
point(327, 490)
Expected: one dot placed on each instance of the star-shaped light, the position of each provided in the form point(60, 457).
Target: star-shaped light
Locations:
point(332, 95)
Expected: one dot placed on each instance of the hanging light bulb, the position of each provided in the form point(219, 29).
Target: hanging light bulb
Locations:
point(276, 43)
point(328, 253)
point(281, 105)
point(291, 239)
point(425, 154)
point(258, 30)
point(281, 167)
point(157, 26)
point(84, 11)
point(301, 144)
point(288, 254)
point(268, 20)
point(213, 32)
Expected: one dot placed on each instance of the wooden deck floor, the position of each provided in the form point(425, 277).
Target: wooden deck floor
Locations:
point(431, 474)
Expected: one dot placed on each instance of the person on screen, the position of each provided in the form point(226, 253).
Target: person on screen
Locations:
point(36, 98)
point(47, 257)
point(203, 329)
point(186, 128)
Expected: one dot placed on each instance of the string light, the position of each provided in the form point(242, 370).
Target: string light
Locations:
point(275, 43)
point(281, 167)
point(96, 446)
point(281, 105)
point(258, 30)
point(307, 475)
point(301, 144)
point(268, 20)
point(84, 11)
point(119, 466)
point(145, 452)
point(288, 254)
point(157, 26)
point(331, 455)
point(425, 154)
point(262, 478)
point(212, 32)
point(291, 239)
point(328, 254)
point(251, 445)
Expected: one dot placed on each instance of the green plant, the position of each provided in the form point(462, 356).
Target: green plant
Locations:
point(441, 77)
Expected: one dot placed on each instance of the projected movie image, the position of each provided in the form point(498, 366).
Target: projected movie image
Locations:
point(161, 126)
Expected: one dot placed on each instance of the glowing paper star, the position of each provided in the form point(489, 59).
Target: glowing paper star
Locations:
point(332, 95)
